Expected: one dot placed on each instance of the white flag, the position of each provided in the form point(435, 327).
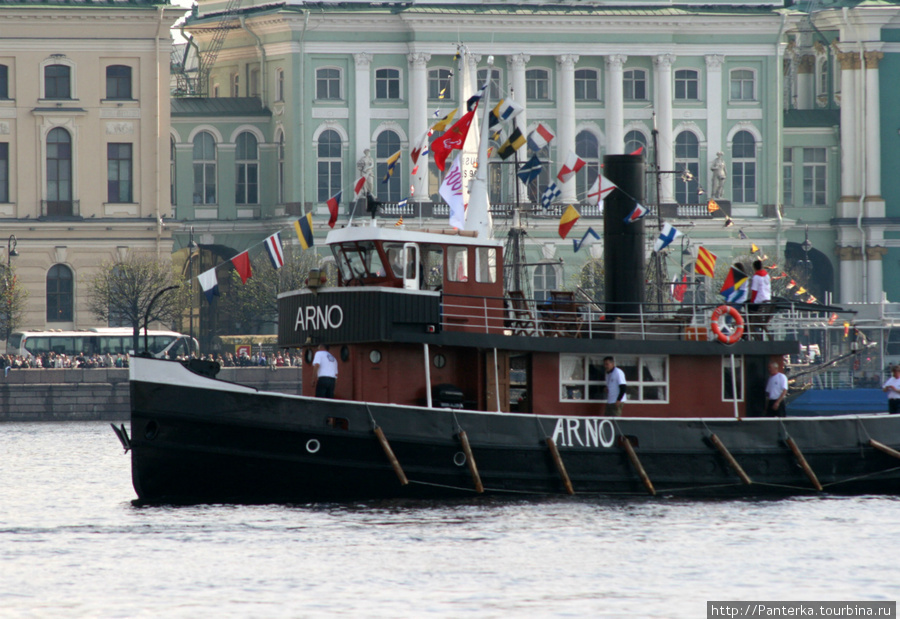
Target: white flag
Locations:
point(452, 192)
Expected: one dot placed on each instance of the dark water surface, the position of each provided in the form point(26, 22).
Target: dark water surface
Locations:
point(72, 545)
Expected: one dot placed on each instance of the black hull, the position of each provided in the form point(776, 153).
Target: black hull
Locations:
point(201, 440)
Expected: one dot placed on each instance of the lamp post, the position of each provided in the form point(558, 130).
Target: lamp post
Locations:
point(191, 246)
point(10, 252)
point(806, 246)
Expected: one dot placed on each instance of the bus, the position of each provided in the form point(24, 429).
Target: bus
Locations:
point(100, 341)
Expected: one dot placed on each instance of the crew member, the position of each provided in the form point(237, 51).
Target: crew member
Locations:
point(776, 390)
point(326, 367)
point(615, 387)
point(760, 294)
point(892, 388)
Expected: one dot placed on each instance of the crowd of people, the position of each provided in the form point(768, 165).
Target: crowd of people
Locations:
point(89, 362)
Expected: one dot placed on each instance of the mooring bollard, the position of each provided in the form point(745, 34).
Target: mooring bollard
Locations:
point(557, 459)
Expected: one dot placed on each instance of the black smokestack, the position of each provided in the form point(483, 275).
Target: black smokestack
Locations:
point(623, 244)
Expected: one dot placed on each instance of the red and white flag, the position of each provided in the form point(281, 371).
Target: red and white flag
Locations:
point(358, 187)
point(570, 167)
point(453, 139)
point(600, 189)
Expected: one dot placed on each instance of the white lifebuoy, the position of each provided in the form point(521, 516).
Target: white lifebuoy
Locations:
point(717, 322)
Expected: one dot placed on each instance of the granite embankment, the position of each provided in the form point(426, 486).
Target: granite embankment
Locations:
point(102, 394)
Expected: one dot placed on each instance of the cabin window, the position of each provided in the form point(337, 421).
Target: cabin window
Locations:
point(486, 265)
point(394, 252)
point(457, 264)
point(433, 265)
point(727, 389)
point(358, 260)
point(582, 378)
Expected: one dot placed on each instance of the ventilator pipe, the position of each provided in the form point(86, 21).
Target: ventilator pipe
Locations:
point(861, 141)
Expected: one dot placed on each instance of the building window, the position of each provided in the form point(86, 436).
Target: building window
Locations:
point(329, 164)
point(440, 84)
point(279, 84)
point(118, 82)
point(246, 186)
point(281, 168)
point(388, 144)
point(254, 83)
point(215, 92)
point(587, 85)
point(634, 85)
point(729, 387)
point(118, 173)
point(546, 279)
point(59, 172)
point(235, 85)
point(687, 85)
point(587, 147)
point(172, 171)
point(787, 186)
point(635, 140)
point(687, 159)
point(4, 172)
point(537, 85)
point(494, 91)
point(328, 84)
point(59, 294)
point(57, 82)
point(743, 85)
point(4, 81)
point(204, 168)
point(387, 84)
point(822, 77)
point(814, 177)
point(583, 378)
point(743, 168)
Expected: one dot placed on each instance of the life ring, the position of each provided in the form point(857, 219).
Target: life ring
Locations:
point(717, 324)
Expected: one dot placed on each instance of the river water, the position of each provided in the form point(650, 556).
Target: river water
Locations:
point(72, 545)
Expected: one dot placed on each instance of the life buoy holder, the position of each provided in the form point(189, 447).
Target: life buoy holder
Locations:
point(717, 323)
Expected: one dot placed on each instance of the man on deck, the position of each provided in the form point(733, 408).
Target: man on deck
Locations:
point(615, 387)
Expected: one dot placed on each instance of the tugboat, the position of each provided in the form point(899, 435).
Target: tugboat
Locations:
point(425, 336)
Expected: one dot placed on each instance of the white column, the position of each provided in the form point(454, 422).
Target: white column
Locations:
point(849, 113)
point(565, 110)
point(615, 104)
point(418, 120)
point(714, 96)
point(363, 104)
point(663, 105)
point(516, 66)
point(872, 128)
point(806, 82)
point(850, 275)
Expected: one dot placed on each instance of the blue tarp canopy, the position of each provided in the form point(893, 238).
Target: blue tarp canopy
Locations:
point(817, 402)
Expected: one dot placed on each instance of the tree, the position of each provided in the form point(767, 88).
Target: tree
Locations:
point(12, 301)
point(124, 291)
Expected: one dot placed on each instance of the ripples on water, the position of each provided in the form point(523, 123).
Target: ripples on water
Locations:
point(72, 545)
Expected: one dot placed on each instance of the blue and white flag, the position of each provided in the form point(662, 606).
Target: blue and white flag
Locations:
point(668, 234)
point(210, 284)
point(639, 212)
point(531, 170)
point(402, 203)
point(506, 109)
point(275, 250)
point(550, 194)
point(590, 232)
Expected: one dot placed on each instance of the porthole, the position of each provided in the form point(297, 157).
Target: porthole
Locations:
point(313, 445)
point(375, 356)
point(151, 430)
point(459, 458)
point(440, 361)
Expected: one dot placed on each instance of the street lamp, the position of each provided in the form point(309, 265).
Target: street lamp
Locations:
point(806, 246)
point(10, 252)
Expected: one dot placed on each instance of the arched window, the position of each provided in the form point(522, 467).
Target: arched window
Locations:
point(204, 168)
point(743, 167)
point(281, 168)
point(586, 147)
point(329, 164)
point(440, 84)
point(687, 161)
point(388, 144)
point(60, 294)
point(387, 84)
point(587, 85)
point(57, 81)
point(687, 85)
point(545, 279)
point(634, 85)
point(118, 82)
point(246, 189)
point(59, 172)
point(235, 85)
point(537, 85)
point(635, 140)
point(494, 91)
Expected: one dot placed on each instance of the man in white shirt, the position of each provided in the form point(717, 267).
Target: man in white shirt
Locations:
point(615, 387)
point(892, 388)
point(760, 294)
point(326, 367)
point(776, 390)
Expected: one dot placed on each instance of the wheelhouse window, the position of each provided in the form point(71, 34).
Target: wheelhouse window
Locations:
point(440, 84)
point(729, 387)
point(59, 172)
point(743, 168)
point(328, 84)
point(814, 177)
point(59, 294)
point(687, 162)
point(204, 168)
point(358, 261)
point(387, 84)
point(118, 82)
point(587, 85)
point(457, 264)
point(634, 85)
point(687, 85)
point(537, 85)
point(329, 164)
point(246, 190)
point(583, 378)
point(57, 82)
point(588, 148)
point(743, 85)
point(119, 183)
point(388, 144)
point(486, 265)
